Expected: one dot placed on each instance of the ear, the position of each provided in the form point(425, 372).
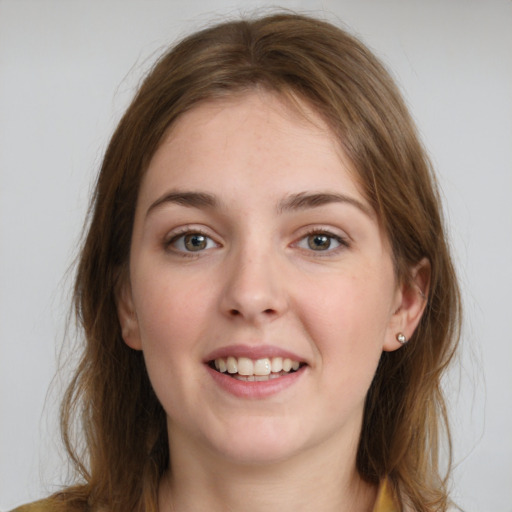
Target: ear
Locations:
point(127, 315)
point(410, 303)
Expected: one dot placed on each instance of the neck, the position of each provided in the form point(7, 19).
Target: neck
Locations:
point(320, 480)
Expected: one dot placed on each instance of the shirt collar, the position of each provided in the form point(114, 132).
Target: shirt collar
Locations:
point(386, 500)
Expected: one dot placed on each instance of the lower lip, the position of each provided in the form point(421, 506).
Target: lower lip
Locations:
point(255, 389)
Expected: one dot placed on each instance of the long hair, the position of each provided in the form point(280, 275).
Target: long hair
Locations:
point(124, 448)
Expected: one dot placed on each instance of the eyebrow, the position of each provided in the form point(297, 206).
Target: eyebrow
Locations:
point(300, 201)
point(305, 200)
point(190, 199)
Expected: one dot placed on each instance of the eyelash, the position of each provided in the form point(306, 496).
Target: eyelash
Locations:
point(182, 233)
point(342, 241)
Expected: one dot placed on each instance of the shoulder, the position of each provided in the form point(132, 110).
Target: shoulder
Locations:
point(386, 499)
point(46, 505)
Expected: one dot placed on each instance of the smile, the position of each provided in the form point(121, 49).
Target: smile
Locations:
point(246, 369)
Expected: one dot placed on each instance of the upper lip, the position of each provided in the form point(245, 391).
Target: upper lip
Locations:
point(252, 352)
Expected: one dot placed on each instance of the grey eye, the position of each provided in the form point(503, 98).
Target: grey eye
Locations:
point(192, 242)
point(320, 242)
point(195, 242)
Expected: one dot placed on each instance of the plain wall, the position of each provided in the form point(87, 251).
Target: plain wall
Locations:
point(67, 71)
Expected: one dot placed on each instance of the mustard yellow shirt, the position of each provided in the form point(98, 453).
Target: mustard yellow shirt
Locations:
point(385, 503)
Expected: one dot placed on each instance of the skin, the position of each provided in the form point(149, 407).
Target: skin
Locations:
point(257, 283)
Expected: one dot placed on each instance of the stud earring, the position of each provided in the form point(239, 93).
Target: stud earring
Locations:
point(400, 337)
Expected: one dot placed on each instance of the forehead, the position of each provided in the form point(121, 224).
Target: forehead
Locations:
point(251, 135)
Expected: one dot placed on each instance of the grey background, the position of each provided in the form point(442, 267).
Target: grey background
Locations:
point(67, 71)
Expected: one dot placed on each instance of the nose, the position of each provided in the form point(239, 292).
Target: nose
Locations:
point(255, 288)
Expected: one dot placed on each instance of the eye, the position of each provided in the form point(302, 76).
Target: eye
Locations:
point(321, 242)
point(191, 242)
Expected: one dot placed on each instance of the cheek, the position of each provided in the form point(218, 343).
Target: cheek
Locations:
point(169, 313)
point(169, 310)
point(347, 321)
point(351, 307)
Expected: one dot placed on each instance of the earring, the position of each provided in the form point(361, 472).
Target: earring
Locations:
point(400, 337)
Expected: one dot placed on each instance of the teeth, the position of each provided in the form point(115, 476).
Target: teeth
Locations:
point(243, 368)
point(262, 367)
point(276, 364)
point(231, 365)
point(258, 378)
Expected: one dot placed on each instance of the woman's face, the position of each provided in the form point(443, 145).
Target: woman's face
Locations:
point(253, 250)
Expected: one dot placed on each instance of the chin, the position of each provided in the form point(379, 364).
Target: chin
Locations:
point(261, 443)
point(260, 454)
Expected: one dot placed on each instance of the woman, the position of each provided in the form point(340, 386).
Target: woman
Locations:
point(265, 288)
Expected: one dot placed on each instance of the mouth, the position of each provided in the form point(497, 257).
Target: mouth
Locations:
point(255, 370)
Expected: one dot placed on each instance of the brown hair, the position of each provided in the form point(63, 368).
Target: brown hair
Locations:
point(125, 449)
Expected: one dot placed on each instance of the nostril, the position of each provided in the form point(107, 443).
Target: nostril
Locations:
point(249, 315)
point(267, 312)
